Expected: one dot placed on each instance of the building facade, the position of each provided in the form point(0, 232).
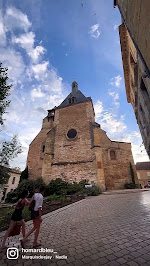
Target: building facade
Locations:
point(72, 146)
point(135, 16)
point(12, 184)
point(143, 173)
point(135, 44)
point(137, 85)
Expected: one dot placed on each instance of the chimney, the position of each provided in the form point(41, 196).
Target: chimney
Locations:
point(74, 87)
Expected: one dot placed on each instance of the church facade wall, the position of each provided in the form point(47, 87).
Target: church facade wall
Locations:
point(72, 146)
point(73, 159)
point(116, 169)
point(75, 172)
point(35, 153)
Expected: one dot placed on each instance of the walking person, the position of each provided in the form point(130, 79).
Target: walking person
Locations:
point(36, 216)
point(16, 217)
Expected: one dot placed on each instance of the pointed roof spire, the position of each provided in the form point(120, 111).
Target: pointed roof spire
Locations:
point(76, 96)
point(74, 87)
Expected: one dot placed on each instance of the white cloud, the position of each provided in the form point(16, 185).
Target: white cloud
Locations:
point(116, 81)
point(40, 70)
point(36, 53)
point(2, 32)
point(131, 136)
point(139, 153)
point(55, 100)
point(112, 125)
point(138, 149)
point(114, 95)
point(26, 41)
point(113, 92)
point(37, 93)
point(117, 130)
point(25, 116)
point(14, 18)
point(115, 27)
point(37, 85)
point(53, 82)
point(14, 62)
point(109, 121)
point(94, 32)
point(98, 108)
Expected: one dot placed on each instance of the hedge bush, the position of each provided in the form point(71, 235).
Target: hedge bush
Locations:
point(57, 188)
point(130, 185)
point(93, 191)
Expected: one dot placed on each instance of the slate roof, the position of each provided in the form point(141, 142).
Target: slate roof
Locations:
point(143, 166)
point(79, 98)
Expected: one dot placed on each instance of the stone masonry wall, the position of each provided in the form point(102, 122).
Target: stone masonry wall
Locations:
point(73, 159)
point(35, 153)
point(116, 172)
point(75, 172)
point(143, 178)
point(137, 18)
point(87, 156)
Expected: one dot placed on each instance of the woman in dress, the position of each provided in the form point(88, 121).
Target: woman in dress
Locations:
point(17, 216)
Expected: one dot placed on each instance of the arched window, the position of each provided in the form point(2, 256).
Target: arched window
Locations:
point(112, 155)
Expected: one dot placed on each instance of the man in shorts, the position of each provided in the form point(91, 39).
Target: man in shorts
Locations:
point(36, 216)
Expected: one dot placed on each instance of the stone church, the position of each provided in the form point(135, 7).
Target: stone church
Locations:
point(72, 146)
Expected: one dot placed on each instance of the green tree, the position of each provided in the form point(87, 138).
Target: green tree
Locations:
point(4, 92)
point(4, 175)
point(26, 184)
point(24, 174)
point(8, 151)
point(132, 173)
point(56, 186)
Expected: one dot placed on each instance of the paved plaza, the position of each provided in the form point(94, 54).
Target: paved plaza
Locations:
point(110, 229)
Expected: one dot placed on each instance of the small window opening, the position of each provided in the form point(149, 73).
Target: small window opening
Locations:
point(141, 109)
point(13, 181)
point(112, 155)
point(43, 149)
point(51, 114)
point(72, 100)
point(72, 133)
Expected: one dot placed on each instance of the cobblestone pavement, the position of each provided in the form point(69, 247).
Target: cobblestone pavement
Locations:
point(103, 230)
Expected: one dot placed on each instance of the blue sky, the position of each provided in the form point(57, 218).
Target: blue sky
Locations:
point(48, 44)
